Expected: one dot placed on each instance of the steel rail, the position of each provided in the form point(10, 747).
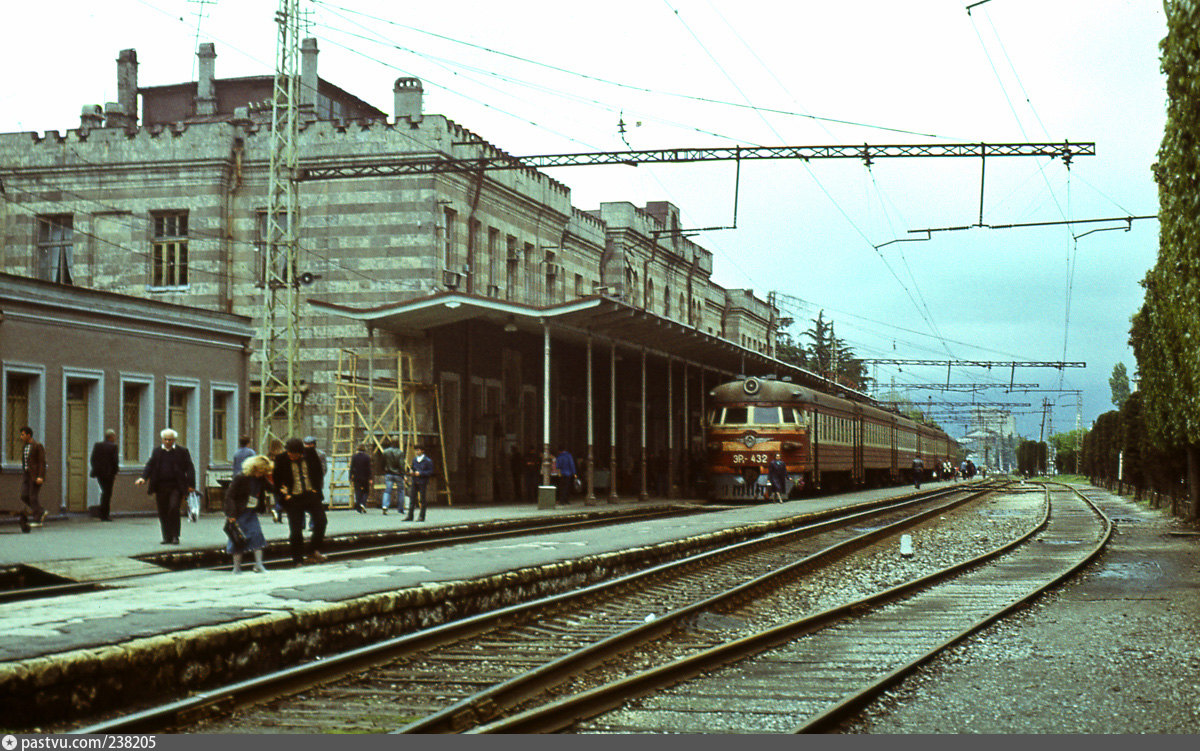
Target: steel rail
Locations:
point(226, 698)
point(486, 703)
point(562, 713)
point(854, 703)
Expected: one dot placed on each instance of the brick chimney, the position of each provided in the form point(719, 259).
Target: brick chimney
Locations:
point(206, 87)
point(308, 74)
point(127, 88)
point(408, 95)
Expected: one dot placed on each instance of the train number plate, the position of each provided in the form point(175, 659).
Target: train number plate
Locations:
point(751, 458)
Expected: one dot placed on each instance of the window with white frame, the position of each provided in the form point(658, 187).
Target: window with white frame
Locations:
point(136, 420)
point(225, 422)
point(23, 403)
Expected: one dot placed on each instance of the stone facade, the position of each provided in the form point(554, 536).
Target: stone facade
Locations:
point(171, 206)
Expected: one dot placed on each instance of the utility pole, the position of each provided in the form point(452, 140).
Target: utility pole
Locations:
point(280, 311)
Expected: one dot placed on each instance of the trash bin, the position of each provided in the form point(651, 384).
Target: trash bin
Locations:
point(546, 496)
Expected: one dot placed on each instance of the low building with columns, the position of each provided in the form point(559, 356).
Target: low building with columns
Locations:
point(490, 283)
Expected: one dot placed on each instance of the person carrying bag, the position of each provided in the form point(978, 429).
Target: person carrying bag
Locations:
point(241, 521)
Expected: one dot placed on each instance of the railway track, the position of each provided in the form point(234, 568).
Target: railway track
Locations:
point(453, 677)
point(809, 673)
point(13, 588)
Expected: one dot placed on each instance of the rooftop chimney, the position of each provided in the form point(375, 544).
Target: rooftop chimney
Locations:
point(408, 94)
point(92, 116)
point(127, 86)
point(206, 87)
point(308, 73)
point(116, 117)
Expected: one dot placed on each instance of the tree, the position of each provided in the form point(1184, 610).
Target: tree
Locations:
point(1119, 383)
point(1165, 332)
point(825, 354)
point(789, 351)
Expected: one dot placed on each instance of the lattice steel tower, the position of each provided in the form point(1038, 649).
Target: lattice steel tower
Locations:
point(280, 300)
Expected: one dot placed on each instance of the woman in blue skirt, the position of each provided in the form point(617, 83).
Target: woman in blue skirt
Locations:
point(239, 509)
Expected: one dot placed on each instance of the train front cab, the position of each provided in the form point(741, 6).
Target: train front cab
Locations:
point(743, 438)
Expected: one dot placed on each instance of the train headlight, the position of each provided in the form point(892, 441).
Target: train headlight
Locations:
point(789, 445)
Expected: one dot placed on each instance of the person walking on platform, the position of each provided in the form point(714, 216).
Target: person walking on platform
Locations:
point(105, 465)
point(170, 475)
point(393, 475)
point(298, 483)
point(240, 456)
point(777, 473)
point(420, 471)
point(533, 473)
point(918, 469)
point(361, 477)
point(33, 476)
point(248, 483)
point(564, 465)
point(274, 451)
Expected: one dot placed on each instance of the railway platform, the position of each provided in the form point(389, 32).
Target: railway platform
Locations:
point(152, 630)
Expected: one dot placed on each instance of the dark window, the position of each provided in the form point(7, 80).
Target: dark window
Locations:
point(56, 248)
point(169, 259)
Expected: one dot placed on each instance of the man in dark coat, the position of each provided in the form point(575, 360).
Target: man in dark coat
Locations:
point(33, 476)
point(420, 471)
point(361, 475)
point(564, 465)
point(777, 473)
point(170, 475)
point(298, 483)
point(105, 465)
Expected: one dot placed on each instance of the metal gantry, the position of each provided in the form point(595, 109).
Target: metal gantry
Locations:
point(963, 386)
point(280, 311)
point(989, 364)
point(425, 164)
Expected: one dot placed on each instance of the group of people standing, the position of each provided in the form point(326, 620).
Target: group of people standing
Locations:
point(396, 478)
point(288, 480)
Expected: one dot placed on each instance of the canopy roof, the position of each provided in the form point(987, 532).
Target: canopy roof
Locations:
point(605, 319)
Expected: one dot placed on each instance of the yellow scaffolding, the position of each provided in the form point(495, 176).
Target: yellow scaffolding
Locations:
point(356, 419)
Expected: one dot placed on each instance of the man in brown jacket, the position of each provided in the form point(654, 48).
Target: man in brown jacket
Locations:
point(33, 468)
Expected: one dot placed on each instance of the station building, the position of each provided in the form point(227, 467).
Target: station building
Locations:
point(75, 362)
point(488, 285)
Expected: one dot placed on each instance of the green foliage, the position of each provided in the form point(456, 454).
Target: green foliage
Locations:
point(1066, 449)
point(825, 354)
point(1119, 383)
point(1165, 334)
point(1031, 458)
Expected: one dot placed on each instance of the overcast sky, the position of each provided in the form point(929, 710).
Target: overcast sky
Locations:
point(544, 76)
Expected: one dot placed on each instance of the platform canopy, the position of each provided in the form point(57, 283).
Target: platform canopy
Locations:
point(606, 319)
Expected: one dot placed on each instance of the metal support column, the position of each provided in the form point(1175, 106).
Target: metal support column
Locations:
point(671, 488)
point(591, 442)
point(612, 425)
point(687, 436)
point(642, 494)
point(547, 459)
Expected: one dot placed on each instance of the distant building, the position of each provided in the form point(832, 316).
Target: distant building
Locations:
point(170, 205)
point(75, 362)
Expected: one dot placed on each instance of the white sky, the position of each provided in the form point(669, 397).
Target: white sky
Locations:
point(1011, 71)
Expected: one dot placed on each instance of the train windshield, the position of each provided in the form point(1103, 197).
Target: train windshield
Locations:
point(751, 416)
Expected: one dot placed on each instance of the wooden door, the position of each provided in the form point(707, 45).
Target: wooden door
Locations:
point(77, 447)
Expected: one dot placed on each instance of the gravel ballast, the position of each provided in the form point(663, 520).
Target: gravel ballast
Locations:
point(1117, 650)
